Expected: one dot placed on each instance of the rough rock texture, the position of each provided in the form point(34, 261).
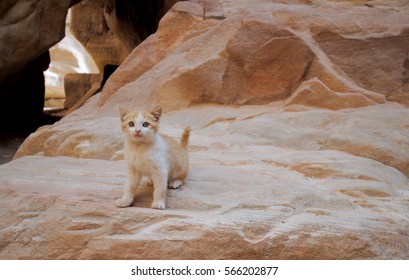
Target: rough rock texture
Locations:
point(24, 31)
point(79, 87)
point(258, 55)
point(109, 29)
point(27, 30)
point(297, 150)
point(68, 56)
point(264, 184)
point(92, 24)
point(264, 54)
point(174, 29)
point(315, 93)
point(384, 69)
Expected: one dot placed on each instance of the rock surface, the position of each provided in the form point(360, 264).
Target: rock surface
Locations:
point(79, 88)
point(24, 31)
point(174, 29)
point(68, 57)
point(27, 30)
point(257, 55)
point(264, 53)
point(264, 184)
point(244, 199)
point(297, 150)
point(110, 29)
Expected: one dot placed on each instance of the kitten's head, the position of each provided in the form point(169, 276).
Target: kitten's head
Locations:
point(140, 126)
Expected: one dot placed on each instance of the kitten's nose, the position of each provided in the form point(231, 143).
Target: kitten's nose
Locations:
point(137, 131)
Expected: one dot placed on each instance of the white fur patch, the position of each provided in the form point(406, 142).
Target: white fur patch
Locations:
point(139, 119)
point(146, 159)
point(160, 154)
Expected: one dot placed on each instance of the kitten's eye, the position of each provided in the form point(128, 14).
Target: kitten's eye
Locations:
point(145, 124)
point(131, 124)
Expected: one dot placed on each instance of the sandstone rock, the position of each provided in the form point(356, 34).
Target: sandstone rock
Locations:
point(204, 8)
point(195, 73)
point(232, 71)
point(24, 27)
point(292, 156)
point(68, 56)
point(174, 29)
point(99, 138)
point(109, 34)
point(240, 202)
point(109, 29)
point(91, 24)
point(317, 94)
point(380, 137)
point(27, 30)
point(239, 73)
point(79, 87)
point(383, 69)
point(114, 29)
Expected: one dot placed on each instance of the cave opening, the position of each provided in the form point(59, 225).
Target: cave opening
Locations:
point(108, 71)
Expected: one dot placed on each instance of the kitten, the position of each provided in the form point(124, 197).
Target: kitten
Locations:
point(150, 154)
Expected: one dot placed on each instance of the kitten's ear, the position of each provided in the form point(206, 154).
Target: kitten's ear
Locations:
point(156, 112)
point(122, 112)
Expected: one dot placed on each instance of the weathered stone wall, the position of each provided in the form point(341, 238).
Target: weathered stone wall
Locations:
point(27, 30)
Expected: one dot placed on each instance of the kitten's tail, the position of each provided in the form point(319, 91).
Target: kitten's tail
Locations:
point(184, 141)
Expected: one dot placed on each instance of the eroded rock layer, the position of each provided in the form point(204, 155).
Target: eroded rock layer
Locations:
point(299, 146)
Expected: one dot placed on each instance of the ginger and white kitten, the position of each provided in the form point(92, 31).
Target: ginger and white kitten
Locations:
point(150, 154)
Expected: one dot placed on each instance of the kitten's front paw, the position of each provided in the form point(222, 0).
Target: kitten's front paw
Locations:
point(123, 202)
point(175, 184)
point(160, 205)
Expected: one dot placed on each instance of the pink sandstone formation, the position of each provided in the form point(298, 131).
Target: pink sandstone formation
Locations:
point(299, 146)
